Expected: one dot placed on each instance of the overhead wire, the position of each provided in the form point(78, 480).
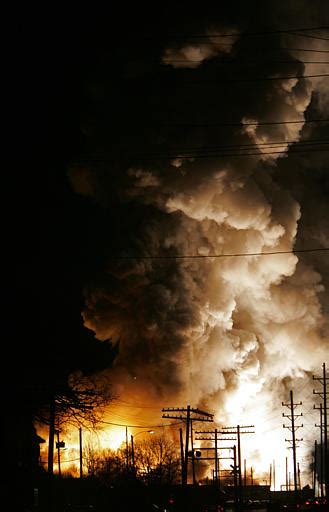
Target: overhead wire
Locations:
point(235, 62)
point(176, 151)
point(221, 81)
point(206, 256)
point(249, 123)
point(293, 31)
point(142, 426)
point(220, 155)
point(271, 49)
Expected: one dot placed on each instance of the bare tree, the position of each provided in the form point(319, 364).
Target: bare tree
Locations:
point(77, 401)
point(157, 459)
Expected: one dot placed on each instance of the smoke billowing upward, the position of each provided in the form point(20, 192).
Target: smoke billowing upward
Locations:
point(233, 334)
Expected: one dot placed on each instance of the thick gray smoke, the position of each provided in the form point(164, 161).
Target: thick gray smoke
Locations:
point(233, 334)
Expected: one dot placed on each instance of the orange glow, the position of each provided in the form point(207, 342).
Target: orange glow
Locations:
point(244, 407)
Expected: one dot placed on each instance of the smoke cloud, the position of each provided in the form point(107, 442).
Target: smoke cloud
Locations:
point(229, 333)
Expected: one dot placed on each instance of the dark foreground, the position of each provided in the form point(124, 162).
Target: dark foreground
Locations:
point(74, 495)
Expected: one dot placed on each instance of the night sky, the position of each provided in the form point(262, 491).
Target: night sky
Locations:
point(99, 101)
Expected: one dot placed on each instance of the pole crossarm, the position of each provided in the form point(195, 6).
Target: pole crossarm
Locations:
point(237, 430)
point(188, 414)
point(213, 439)
point(243, 432)
point(322, 379)
point(213, 448)
point(174, 417)
point(198, 411)
point(241, 426)
point(201, 415)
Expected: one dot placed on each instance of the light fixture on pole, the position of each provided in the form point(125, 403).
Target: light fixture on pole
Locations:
point(132, 445)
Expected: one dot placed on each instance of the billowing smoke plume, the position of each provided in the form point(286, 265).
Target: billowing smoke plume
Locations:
point(231, 333)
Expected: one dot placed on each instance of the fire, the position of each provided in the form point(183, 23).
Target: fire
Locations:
point(112, 437)
point(264, 452)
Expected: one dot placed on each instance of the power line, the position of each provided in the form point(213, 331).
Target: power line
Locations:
point(299, 49)
point(123, 403)
point(310, 36)
point(140, 426)
point(243, 153)
point(251, 123)
point(242, 146)
point(232, 62)
point(261, 33)
point(255, 79)
point(216, 155)
point(310, 146)
point(287, 48)
point(205, 256)
point(187, 150)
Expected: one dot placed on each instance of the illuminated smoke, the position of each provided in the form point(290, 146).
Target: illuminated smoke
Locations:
point(233, 334)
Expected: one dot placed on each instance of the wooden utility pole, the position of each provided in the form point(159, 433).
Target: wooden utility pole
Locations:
point(321, 475)
point(235, 474)
point(314, 466)
point(182, 454)
point(132, 452)
point(287, 487)
point(217, 479)
point(324, 448)
point(127, 449)
point(51, 438)
point(238, 430)
point(293, 427)
point(187, 436)
point(192, 456)
point(58, 446)
point(216, 458)
point(188, 414)
point(80, 451)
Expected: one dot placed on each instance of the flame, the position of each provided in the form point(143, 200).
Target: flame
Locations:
point(112, 437)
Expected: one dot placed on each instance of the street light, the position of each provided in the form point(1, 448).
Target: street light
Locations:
point(132, 444)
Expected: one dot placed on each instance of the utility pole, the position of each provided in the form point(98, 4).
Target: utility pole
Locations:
point(235, 474)
point(323, 380)
point(182, 453)
point(51, 438)
point(214, 433)
point(80, 451)
point(314, 466)
point(287, 488)
point(237, 431)
point(187, 414)
point(321, 476)
point(293, 429)
point(187, 431)
point(127, 449)
point(58, 446)
point(216, 459)
point(192, 456)
point(132, 452)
